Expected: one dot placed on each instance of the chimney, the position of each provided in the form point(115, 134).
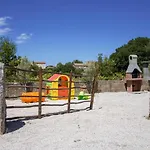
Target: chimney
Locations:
point(133, 64)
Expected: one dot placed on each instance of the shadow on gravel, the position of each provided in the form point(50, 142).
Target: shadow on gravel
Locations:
point(12, 126)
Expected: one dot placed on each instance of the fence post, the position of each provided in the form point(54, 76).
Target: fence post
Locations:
point(2, 100)
point(40, 93)
point(25, 81)
point(69, 94)
point(92, 93)
point(149, 105)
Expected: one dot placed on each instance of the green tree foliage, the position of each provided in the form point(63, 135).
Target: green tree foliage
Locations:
point(25, 64)
point(48, 72)
point(90, 71)
point(93, 69)
point(68, 67)
point(8, 56)
point(59, 68)
point(35, 68)
point(107, 67)
point(46, 76)
point(78, 71)
point(64, 68)
point(104, 68)
point(89, 74)
point(77, 61)
point(7, 51)
point(139, 46)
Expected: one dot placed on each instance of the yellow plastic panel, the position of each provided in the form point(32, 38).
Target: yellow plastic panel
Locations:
point(54, 92)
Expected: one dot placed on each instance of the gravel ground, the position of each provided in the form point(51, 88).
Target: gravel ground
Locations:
point(117, 122)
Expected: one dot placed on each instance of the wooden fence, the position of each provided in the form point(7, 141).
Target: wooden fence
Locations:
point(40, 88)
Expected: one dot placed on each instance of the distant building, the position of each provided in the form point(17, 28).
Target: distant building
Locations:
point(80, 65)
point(50, 67)
point(83, 65)
point(41, 64)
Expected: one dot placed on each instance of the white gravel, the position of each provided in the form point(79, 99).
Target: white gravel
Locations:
point(119, 125)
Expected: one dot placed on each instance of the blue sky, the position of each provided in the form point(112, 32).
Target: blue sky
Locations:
point(63, 30)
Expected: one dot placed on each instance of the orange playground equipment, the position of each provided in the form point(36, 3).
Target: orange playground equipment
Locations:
point(58, 87)
point(28, 97)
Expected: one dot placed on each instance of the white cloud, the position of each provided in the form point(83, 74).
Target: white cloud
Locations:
point(19, 41)
point(3, 23)
point(4, 31)
point(23, 37)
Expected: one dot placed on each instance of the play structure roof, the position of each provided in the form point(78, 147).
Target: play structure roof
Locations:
point(55, 76)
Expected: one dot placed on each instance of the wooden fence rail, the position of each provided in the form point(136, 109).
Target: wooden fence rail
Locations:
point(15, 97)
point(47, 114)
point(64, 104)
point(37, 87)
point(41, 88)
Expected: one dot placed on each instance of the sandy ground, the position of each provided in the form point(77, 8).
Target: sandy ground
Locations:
point(119, 125)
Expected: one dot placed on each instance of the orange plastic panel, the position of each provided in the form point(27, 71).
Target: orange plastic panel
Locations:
point(31, 99)
point(63, 92)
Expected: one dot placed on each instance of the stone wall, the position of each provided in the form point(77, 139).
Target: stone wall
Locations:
point(145, 85)
point(2, 100)
point(17, 91)
point(111, 86)
point(102, 86)
point(118, 86)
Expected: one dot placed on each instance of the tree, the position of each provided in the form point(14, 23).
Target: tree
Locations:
point(78, 71)
point(107, 67)
point(8, 56)
point(138, 46)
point(92, 71)
point(25, 64)
point(104, 68)
point(88, 75)
point(35, 68)
point(100, 58)
point(68, 67)
point(64, 68)
point(77, 61)
point(7, 51)
point(48, 72)
point(59, 68)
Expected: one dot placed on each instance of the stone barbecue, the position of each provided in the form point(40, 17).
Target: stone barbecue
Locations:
point(133, 75)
